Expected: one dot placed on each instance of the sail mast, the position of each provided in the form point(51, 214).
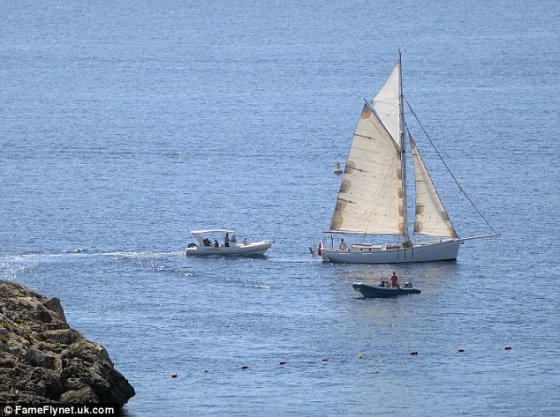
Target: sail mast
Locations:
point(406, 236)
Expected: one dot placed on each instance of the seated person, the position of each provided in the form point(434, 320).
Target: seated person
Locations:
point(206, 242)
point(216, 244)
point(245, 242)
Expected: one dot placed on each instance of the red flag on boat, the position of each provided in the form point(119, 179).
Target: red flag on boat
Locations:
point(320, 248)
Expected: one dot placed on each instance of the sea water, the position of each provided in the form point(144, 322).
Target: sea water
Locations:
point(124, 125)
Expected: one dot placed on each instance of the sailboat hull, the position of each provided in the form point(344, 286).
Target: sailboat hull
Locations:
point(421, 252)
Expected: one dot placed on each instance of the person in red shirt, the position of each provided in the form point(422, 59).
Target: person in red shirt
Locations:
point(394, 281)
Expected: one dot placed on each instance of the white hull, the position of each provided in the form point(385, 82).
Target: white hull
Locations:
point(419, 252)
point(256, 248)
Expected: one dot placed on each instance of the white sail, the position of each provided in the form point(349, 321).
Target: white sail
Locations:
point(370, 196)
point(387, 104)
point(431, 217)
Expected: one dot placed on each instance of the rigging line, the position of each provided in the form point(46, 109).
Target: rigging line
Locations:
point(449, 170)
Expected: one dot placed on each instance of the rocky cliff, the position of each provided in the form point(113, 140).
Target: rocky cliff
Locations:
point(43, 360)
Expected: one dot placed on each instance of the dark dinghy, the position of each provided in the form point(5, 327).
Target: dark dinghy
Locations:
point(383, 291)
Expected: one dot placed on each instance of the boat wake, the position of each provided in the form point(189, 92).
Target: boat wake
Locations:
point(46, 256)
point(16, 265)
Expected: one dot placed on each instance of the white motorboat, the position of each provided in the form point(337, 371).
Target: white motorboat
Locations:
point(227, 245)
point(373, 194)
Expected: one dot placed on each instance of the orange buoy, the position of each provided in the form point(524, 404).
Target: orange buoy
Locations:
point(414, 353)
point(282, 362)
point(244, 367)
point(507, 348)
point(173, 375)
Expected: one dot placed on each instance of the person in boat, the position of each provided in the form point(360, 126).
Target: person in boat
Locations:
point(245, 242)
point(394, 281)
point(226, 241)
point(216, 244)
point(342, 246)
point(233, 239)
point(206, 242)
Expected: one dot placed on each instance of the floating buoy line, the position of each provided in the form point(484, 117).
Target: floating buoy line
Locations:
point(326, 359)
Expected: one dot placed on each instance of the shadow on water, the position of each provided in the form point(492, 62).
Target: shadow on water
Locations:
point(416, 273)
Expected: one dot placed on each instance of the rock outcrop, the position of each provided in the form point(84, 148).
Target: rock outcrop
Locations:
point(43, 360)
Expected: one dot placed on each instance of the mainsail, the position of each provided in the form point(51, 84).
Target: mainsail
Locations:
point(431, 217)
point(371, 196)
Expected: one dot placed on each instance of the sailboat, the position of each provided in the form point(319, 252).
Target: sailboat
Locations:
point(372, 199)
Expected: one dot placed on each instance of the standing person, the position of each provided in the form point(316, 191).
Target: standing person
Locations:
point(338, 169)
point(342, 246)
point(394, 281)
point(226, 241)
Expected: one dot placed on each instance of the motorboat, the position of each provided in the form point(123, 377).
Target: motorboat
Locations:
point(227, 245)
point(384, 290)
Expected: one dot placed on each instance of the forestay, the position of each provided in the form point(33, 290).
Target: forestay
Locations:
point(370, 197)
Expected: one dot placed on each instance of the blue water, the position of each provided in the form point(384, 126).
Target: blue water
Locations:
point(124, 125)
